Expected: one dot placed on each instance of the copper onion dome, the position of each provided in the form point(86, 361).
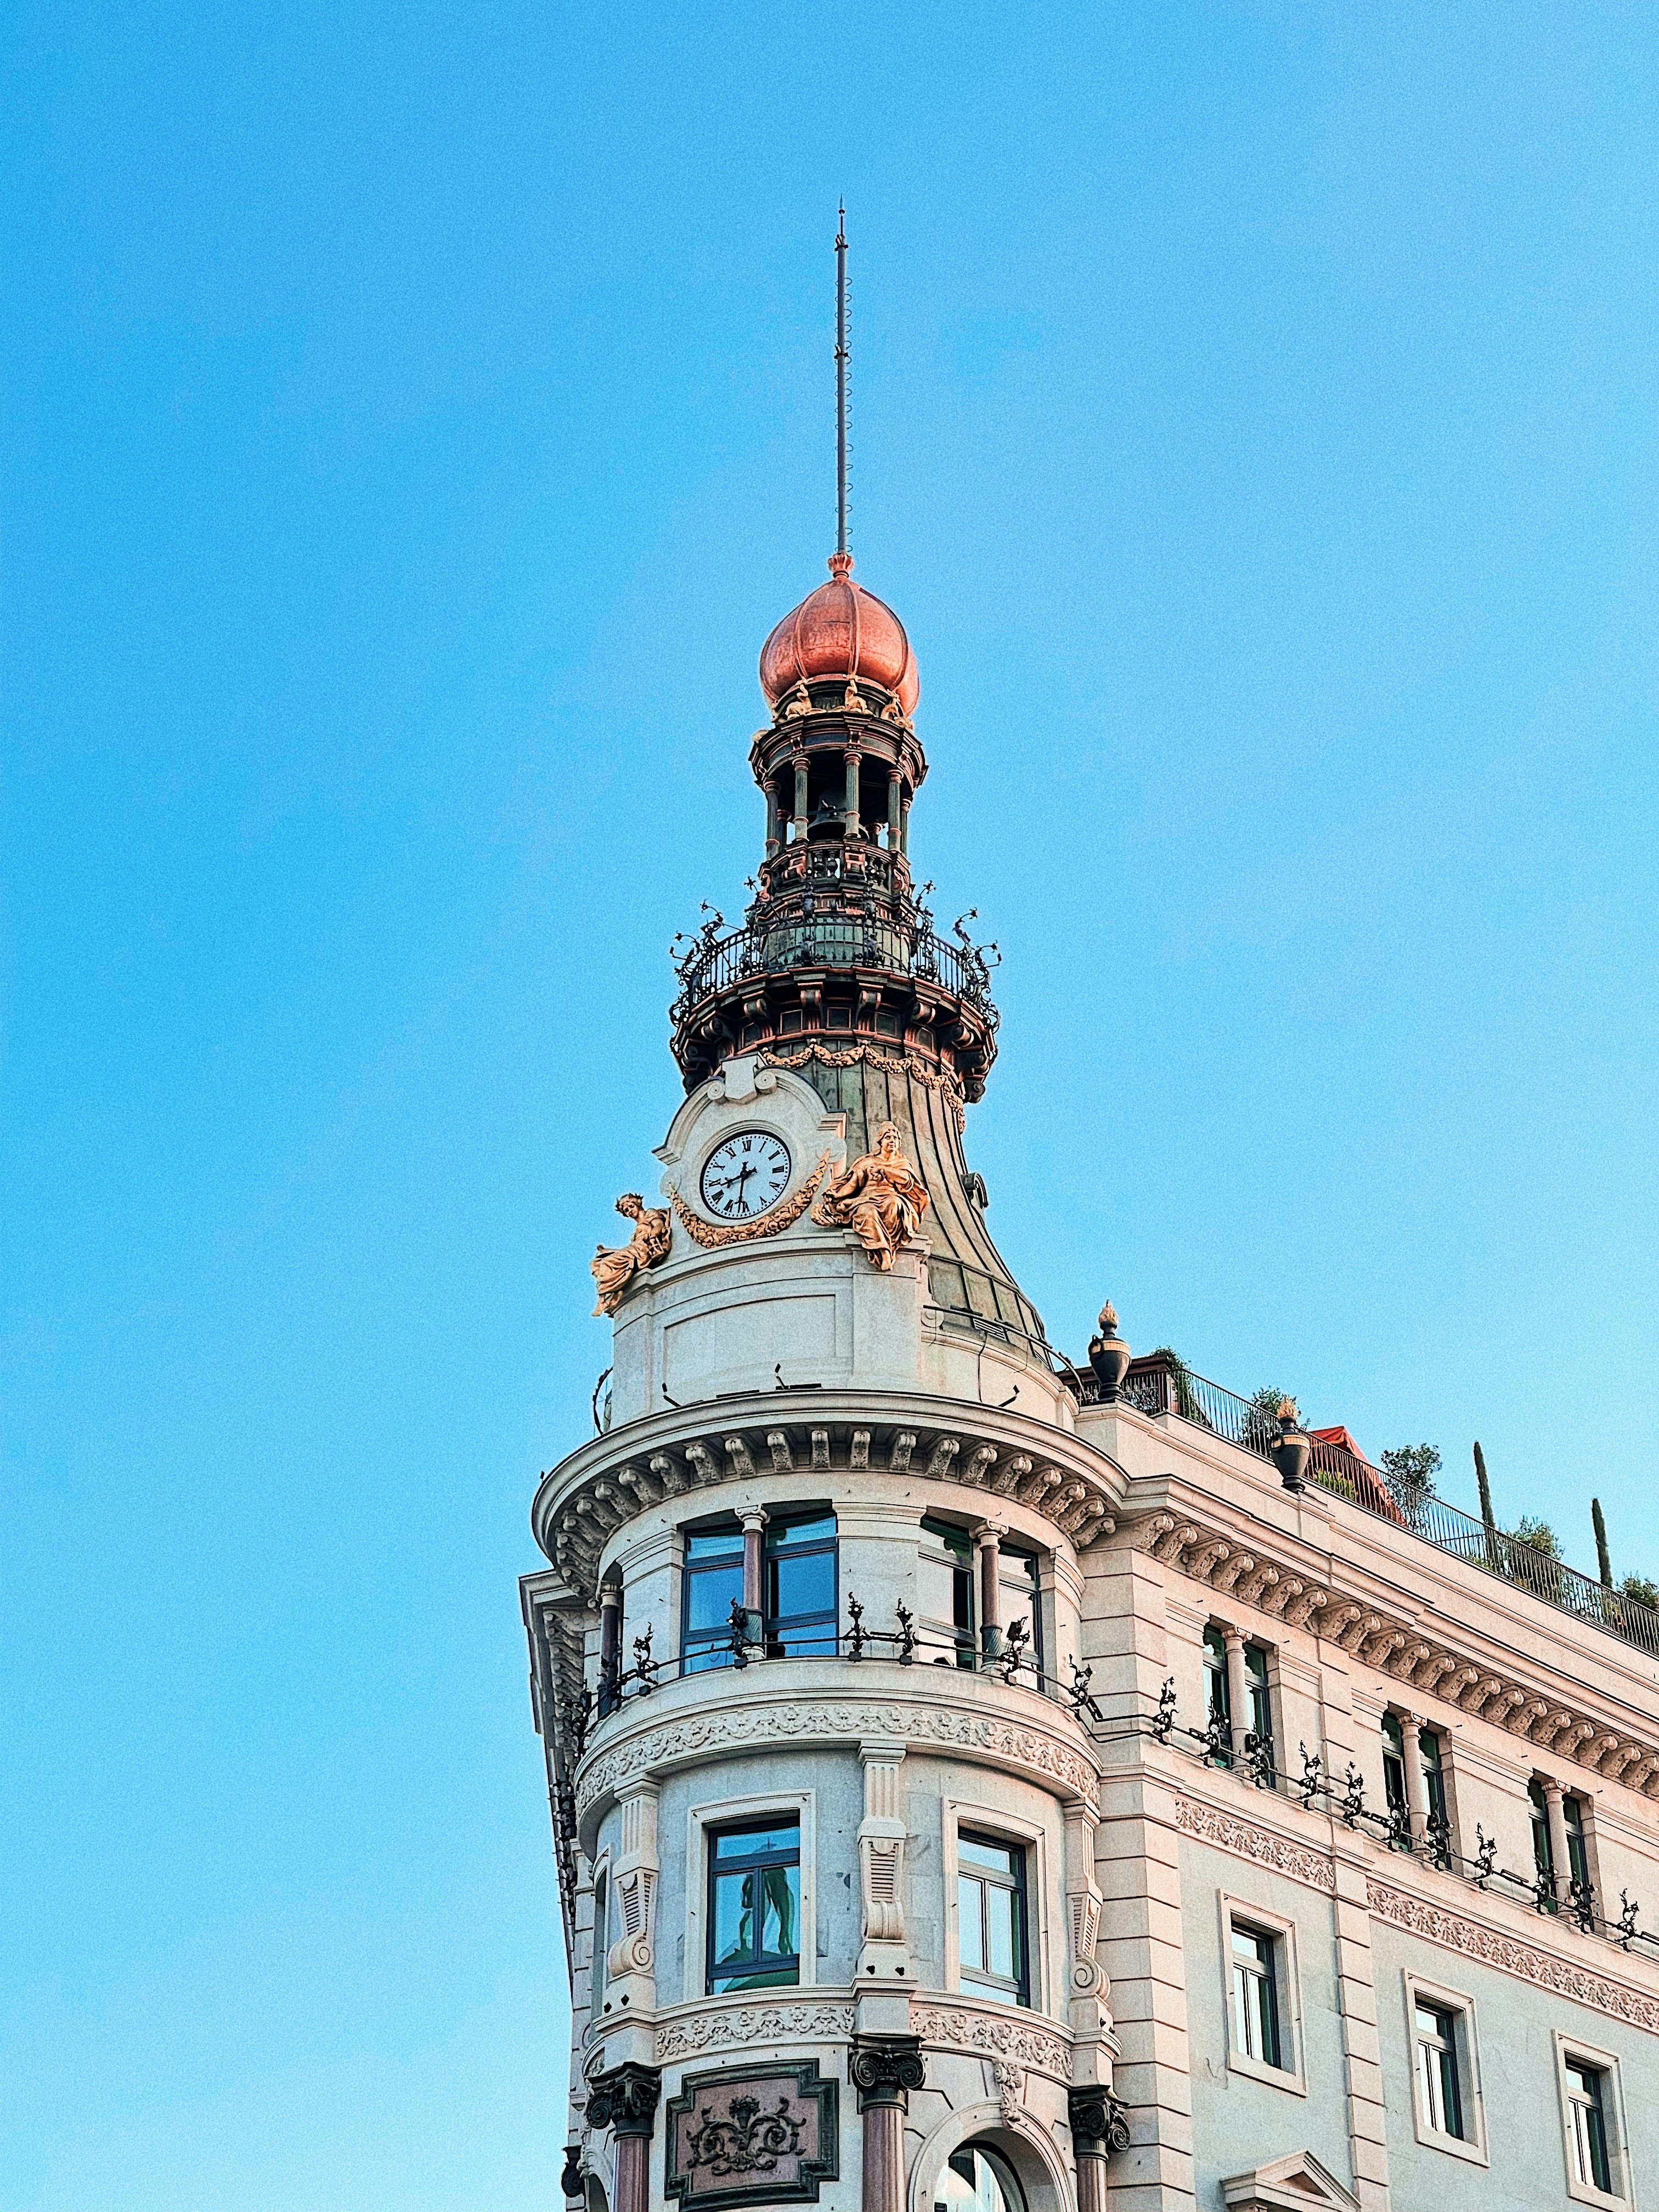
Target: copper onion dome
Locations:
point(841, 630)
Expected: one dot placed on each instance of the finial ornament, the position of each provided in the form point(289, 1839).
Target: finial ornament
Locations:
point(880, 1197)
point(615, 1267)
point(841, 384)
point(1109, 1356)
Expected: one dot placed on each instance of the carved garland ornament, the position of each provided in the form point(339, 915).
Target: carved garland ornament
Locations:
point(713, 1236)
point(1207, 1825)
point(994, 2038)
point(795, 2023)
point(892, 1063)
point(694, 1737)
point(1522, 1959)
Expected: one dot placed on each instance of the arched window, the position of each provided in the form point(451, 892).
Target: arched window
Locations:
point(977, 2179)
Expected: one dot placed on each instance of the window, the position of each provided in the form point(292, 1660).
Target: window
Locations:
point(1593, 2117)
point(1586, 2112)
point(711, 1584)
point(1255, 1994)
point(1019, 1579)
point(977, 2179)
point(944, 1585)
point(1572, 1811)
point(993, 1952)
point(754, 1905)
point(601, 1937)
point(799, 1599)
point(1219, 1696)
point(1440, 2097)
point(802, 1607)
point(1395, 1787)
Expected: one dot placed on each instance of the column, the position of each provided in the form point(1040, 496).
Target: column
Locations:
point(772, 838)
point(885, 2069)
point(625, 2101)
point(799, 824)
point(754, 1572)
point(609, 1647)
point(854, 759)
point(1417, 1790)
point(1238, 1690)
point(892, 810)
point(990, 1592)
point(1560, 1856)
point(1099, 2126)
point(905, 828)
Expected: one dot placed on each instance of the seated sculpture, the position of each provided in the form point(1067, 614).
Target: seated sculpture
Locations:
point(615, 1267)
point(881, 1197)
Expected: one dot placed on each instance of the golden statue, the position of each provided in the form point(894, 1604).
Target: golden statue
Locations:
point(881, 1196)
point(615, 1265)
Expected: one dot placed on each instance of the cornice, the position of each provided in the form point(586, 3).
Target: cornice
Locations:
point(580, 1504)
point(1327, 1598)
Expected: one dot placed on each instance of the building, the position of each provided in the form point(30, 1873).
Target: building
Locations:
point(981, 1780)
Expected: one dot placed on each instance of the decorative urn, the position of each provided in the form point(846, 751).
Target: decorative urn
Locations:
point(1109, 1356)
point(1291, 1451)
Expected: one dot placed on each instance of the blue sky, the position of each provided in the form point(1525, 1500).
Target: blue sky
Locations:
point(416, 419)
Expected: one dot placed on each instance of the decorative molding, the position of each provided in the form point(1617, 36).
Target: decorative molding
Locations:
point(992, 2036)
point(1207, 1824)
point(715, 1237)
point(625, 2100)
point(1524, 1960)
point(1031, 1750)
point(894, 1063)
point(884, 2068)
point(778, 2024)
point(1099, 2125)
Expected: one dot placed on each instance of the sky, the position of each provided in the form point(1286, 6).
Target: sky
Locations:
point(416, 417)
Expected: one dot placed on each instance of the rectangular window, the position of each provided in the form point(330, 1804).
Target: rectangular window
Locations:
point(711, 1583)
point(944, 1585)
point(1020, 1582)
point(754, 1905)
point(1573, 1810)
point(1255, 1994)
point(1218, 1694)
point(1587, 2116)
point(1438, 2089)
point(991, 1931)
point(802, 1607)
point(1394, 1788)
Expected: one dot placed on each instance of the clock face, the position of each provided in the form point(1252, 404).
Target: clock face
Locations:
point(745, 1174)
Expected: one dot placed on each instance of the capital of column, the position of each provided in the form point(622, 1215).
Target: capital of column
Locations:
point(753, 1517)
point(625, 2100)
point(884, 2068)
point(1098, 2122)
point(1553, 1792)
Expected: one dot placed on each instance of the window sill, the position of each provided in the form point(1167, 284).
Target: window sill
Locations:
point(1583, 2193)
point(992, 1993)
point(1474, 2154)
point(1257, 2070)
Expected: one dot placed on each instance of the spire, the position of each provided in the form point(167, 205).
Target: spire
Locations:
point(841, 379)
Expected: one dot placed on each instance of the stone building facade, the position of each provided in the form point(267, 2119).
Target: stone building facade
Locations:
point(984, 1780)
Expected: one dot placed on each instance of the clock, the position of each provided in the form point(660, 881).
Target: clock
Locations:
point(745, 1174)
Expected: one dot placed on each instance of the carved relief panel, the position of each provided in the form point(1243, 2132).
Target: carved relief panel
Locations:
point(752, 2134)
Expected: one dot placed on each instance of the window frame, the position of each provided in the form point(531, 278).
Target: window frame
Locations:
point(1280, 1931)
point(1573, 2050)
point(598, 1944)
point(736, 1813)
point(965, 1578)
point(1004, 1829)
point(700, 1641)
point(755, 1863)
point(1033, 1562)
point(1471, 2145)
point(828, 1625)
point(1016, 1988)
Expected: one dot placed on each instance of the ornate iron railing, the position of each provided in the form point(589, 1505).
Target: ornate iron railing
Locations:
point(835, 926)
point(1158, 1384)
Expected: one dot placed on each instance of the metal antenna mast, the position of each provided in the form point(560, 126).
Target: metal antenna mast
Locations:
point(841, 379)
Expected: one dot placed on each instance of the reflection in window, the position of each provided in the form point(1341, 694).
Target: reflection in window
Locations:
point(944, 1585)
point(712, 1583)
point(754, 1905)
point(1587, 2114)
point(1438, 2090)
point(1255, 1994)
point(991, 1915)
point(977, 2179)
point(801, 1605)
point(1019, 1581)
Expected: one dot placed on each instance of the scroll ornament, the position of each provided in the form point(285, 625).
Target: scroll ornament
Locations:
point(615, 1267)
point(880, 1197)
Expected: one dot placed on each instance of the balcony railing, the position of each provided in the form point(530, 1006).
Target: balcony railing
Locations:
point(1158, 1384)
point(835, 927)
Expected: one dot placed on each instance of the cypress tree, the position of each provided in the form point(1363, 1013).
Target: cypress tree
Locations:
point(1486, 1513)
point(1603, 1562)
